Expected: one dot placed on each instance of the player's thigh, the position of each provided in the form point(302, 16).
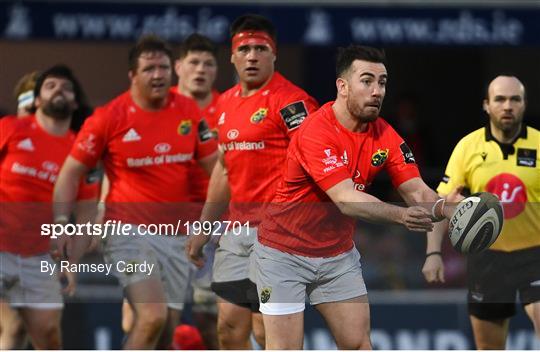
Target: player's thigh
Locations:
point(284, 332)
point(148, 300)
point(43, 326)
point(489, 334)
point(281, 280)
point(533, 311)
point(175, 269)
point(348, 321)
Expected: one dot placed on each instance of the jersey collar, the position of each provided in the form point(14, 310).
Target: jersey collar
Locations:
point(506, 148)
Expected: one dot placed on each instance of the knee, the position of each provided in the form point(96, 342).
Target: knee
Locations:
point(150, 320)
point(48, 335)
point(361, 342)
point(231, 334)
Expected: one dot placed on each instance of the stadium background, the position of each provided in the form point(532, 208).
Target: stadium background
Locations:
point(440, 56)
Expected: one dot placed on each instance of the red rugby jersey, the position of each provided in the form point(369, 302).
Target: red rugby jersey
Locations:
point(147, 156)
point(254, 133)
point(30, 159)
point(302, 218)
point(198, 177)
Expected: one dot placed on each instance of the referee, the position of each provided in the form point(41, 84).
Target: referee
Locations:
point(501, 158)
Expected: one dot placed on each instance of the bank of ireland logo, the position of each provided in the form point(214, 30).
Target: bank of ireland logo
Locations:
point(259, 116)
point(265, 294)
point(184, 128)
point(511, 192)
point(379, 157)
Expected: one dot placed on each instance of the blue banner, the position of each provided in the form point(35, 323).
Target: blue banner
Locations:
point(303, 25)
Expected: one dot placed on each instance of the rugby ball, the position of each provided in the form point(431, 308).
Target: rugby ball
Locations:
point(476, 223)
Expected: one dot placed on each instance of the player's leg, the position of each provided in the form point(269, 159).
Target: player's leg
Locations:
point(127, 317)
point(12, 333)
point(348, 322)
point(281, 285)
point(489, 334)
point(206, 322)
point(257, 326)
point(43, 327)
point(491, 299)
point(340, 296)
point(533, 311)
point(147, 299)
point(173, 320)
point(284, 332)
point(231, 284)
point(233, 326)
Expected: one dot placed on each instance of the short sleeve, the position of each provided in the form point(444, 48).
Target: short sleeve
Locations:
point(91, 139)
point(319, 156)
point(6, 130)
point(454, 175)
point(292, 109)
point(401, 165)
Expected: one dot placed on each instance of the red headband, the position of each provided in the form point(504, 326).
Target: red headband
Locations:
point(253, 37)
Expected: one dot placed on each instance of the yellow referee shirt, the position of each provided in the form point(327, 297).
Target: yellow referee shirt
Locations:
point(511, 171)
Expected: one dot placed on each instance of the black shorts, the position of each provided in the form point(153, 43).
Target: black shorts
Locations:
point(495, 278)
point(243, 293)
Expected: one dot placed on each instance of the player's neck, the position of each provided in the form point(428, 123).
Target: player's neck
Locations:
point(346, 120)
point(505, 137)
point(250, 89)
point(51, 125)
point(202, 99)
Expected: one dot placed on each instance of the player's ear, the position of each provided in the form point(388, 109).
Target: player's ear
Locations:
point(342, 86)
point(131, 74)
point(485, 106)
point(177, 65)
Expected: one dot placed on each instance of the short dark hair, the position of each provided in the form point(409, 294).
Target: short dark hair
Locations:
point(148, 43)
point(197, 42)
point(253, 22)
point(346, 57)
point(62, 71)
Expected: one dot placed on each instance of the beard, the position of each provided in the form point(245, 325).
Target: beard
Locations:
point(356, 110)
point(58, 109)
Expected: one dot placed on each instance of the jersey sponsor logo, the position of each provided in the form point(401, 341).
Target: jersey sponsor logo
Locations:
point(233, 134)
point(184, 128)
point(42, 174)
point(93, 176)
point(87, 145)
point(477, 296)
point(526, 157)
point(379, 157)
point(356, 174)
point(511, 191)
point(294, 114)
point(243, 146)
point(360, 187)
point(259, 116)
point(408, 156)
point(204, 131)
point(221, 119)
point(162, 148)
point(26, 144)
point(50, 166)
point(330, 158)
point(131, 136)
point(159, 159)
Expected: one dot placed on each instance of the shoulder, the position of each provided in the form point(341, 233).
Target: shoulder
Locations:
point(474, 138)
point(114, 108)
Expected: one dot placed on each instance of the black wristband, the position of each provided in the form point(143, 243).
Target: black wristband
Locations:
point(433, 253)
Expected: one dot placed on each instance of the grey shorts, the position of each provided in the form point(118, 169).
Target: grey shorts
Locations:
point(165, 253)
point(23, 284)
point(285, 280)
point(233, 261)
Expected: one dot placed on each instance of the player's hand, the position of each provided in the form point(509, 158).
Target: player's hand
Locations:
point(194, 249)
point(433, 269)
point(59, 247)
point(70, 280)
point(417, 219)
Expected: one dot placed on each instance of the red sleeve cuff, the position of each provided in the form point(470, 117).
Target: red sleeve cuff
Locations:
point(333, 179)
